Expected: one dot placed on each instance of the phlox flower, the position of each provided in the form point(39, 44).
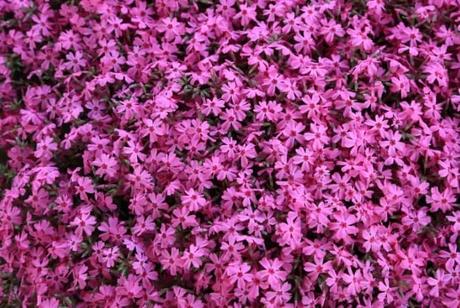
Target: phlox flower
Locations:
point(198, 153)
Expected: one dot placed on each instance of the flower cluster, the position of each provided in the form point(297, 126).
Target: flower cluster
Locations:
point(231, 153)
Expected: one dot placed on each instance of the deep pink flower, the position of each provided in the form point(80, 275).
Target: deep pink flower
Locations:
point(198, 153)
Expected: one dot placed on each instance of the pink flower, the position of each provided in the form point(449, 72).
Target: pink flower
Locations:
point(353, 280)
point(316, 268)
point(171, 261)
point(49, 303)
point(45, 148)
point(239, 274)
point(291, 231)
point(109, 256)
point(192, 257)
point(193, 200)
point(317, 135)
point(246, 14)
point(84, 223)
point(198, 153)
point(80, 275)
point(344, 226)
point(272, 272)
point(280, 294)
point(452, 256)
point(440, 200)
point(455, 218)
point(107, 166)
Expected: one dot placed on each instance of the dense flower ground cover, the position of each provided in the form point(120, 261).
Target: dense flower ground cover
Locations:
point(200, 153)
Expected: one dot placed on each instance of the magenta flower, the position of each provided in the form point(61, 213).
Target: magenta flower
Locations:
point(223, 153)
